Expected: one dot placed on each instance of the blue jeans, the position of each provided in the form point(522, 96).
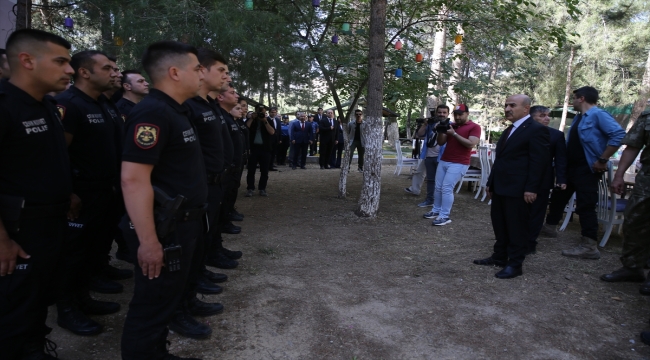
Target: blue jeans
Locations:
point(447, 175)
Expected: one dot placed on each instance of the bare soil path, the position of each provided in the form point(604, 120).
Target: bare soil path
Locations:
point(316, 282)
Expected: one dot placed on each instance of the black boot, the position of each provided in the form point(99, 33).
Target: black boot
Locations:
point(185, 325)
point(112, 273)
point(40, 347)
point(105, 286)
point(74, 320)
point(221, 261)
point(207, 287)
point(215, 277)
point(90, 306)
point(235, 217)
point(232, 255)
point(230, 228)
point(200, 308)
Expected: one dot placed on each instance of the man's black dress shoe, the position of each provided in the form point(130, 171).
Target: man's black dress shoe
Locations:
point(235, 217)
point(105, 286)
point(184, 324)
point(509, 272)
point(327, 167)
point(645, 337)
point(200, 308)
point(215, 277)
point(230, 228)
point(232, 255)
point(73, 319)
point(237, 213)
point(624, 274)
point(113, 273)
point(207, 287)
point(90, 306)
point(304, 168)
point(490, 261)
point(221, 262)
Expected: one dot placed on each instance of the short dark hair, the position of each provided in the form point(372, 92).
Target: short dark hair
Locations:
point(112, 58)
point(126, 73)
point(589, 93)
point(208, 57)
point(538, 109)
point(84, 59)
point(242, 99)
point(23, 36)
point(160, 51)
point(358, 110)
point(442, 107)
point(319, 109)
point(273, 108)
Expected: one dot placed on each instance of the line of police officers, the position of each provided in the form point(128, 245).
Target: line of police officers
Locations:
point(71, 165)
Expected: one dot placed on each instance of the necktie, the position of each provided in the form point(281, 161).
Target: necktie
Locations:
point(303, 126)
point(508, 131)
point(331, 123)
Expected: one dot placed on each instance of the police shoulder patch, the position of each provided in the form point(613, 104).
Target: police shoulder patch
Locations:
point(146, 135)
point(61, 110)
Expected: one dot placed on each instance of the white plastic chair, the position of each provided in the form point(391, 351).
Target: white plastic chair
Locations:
point(609, 209)
point(485, 171)
point(472, 175)
point(569, 209)
point(402, 161)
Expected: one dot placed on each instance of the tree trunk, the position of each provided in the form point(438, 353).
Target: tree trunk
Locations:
point(370, 191)
point(345, 164)
point(436, 64)
point(275, 87)
point(567, 90)
point(644, 91)
point(457, 65)
point(408, 124)
point(23, 14)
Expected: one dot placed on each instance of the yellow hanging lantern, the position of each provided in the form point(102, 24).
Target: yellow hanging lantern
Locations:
point(118, 41)
point(458, 39)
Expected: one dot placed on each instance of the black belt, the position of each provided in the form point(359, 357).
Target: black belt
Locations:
point(41, 211)
point(191, 214)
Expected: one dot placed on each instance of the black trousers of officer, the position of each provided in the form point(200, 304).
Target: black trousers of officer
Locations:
point(313, 148)
point(212, 239)
point(259, 155)
point(87, 241)
point(537, 214)
point(582, 181)
point(115, 233)
point(26, 294)
point(155, 301)
point(510, 216)
point(325, 151)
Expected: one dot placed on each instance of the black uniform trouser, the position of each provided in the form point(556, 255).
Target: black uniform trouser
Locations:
point(313, 148)
point(155, 301)
point(582, 181)
point(325, 152)
point(337, 153)
point(510, 217)
point(26, 294)
point(86, 242)
point(537, 213)
point(282, 152)
point(115, 232)
point(299, 150)
point(258, 156)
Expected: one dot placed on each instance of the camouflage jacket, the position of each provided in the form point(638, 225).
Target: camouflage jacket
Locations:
point(639, 137)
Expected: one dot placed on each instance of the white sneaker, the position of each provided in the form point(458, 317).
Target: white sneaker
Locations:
point(430, 215)
point(441, 221)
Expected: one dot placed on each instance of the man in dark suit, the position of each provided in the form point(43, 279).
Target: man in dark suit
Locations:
point(276, 139)
point(517, 177)
point(555, 176)
point(328, 138)
point(301, 137)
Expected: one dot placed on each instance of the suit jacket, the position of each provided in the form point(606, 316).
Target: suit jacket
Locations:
point(556, 170)
point(326, 132)
point(277, 125)
point(299, 135)
point(318, 118)
point(521, 161)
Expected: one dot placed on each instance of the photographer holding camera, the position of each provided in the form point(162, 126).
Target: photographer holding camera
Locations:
point(261, 132)
point(428, 155)
point(460, 137)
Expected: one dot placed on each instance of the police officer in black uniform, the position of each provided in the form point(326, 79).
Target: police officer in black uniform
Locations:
point(208, 127)
point(162, 152)
point(134, 88)
point(91, 136)
point(34, 172)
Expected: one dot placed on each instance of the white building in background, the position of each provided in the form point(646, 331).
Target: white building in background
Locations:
point(7, 20)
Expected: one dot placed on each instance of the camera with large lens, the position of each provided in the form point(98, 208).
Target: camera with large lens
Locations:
point(420, 121)
point(443, 125)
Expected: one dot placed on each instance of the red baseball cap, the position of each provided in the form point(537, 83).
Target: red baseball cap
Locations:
point(461, 108)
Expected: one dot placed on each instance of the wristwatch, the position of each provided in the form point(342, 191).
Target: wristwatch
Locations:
point(603, 160)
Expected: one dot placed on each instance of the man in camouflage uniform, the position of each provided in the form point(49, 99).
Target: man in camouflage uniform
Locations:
point(636, 232)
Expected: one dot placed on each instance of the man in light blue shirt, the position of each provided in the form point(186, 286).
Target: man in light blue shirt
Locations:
point(593, 138)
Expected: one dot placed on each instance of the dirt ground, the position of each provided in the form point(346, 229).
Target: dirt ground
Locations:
point(316, 282)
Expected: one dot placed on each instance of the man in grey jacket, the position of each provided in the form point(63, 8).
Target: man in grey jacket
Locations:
point(355, 138)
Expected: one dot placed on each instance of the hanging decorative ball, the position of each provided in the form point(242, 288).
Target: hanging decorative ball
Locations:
point(69, 23)
point(398, 73)
point(249, 4)
point(419, 57)
point(345, 27)
point(118, 41)
point(315, 3)
point(335, 39)
point(458, 39)
point(398, 45)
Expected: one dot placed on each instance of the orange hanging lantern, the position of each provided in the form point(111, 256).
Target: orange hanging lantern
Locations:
point(458, 39)
point(398, 45)
point(419, 57)
point(118, 41)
